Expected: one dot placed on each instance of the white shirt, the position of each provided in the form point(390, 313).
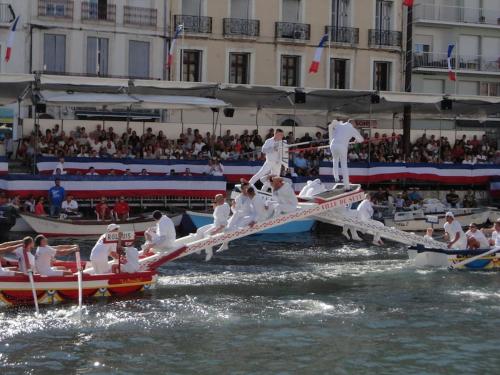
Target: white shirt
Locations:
point(71, 206)
point(198, 147)
point(43, 259)
point(271, 149)
point(365, 210)
point(479, 237)
point(452, 230)
point(101, 250)
point(343, 133)
point(61, 168)
point(286, 198)
point(132, 265)
point(242, 205)
point(20, 258)
point(221, 215)
point(165, 232)
point(259, 208)
point(495, 236)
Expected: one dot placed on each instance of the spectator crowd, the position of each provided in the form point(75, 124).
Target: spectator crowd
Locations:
point(193, 145)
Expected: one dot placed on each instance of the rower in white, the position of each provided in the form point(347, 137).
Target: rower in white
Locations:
point(261, 209)
point(340, 135)
point(162, 236)
point(221, 216)
point(45, 255)
point(273, 163)
point(102, 251)
point(5, 248)
point(454, 234)
point(364, 212)
point(284, 199)
point(23, 254)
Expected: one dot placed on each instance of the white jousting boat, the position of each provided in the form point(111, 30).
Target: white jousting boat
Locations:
point(52, 227)
point(484, 259)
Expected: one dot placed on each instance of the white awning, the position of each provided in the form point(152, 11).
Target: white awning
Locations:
point(86, 98)
point(177, 102)
point(411, 98)
point(13, 86)
point(82, 81)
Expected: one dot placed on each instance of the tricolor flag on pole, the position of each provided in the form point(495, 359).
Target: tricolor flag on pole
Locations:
point(11, 39)
point(408, 3)
point(451, 74)
point(317, 55)
point(171, 52)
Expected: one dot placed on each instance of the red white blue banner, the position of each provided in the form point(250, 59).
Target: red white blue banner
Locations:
point(4, 165)
point(495, 188)
point(130, 186)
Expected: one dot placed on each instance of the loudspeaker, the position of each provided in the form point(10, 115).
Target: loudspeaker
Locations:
point(41, 107)
point(446, 104)
point(215, 110)
point(299, 97)
point(229, 112)
point(375, 99)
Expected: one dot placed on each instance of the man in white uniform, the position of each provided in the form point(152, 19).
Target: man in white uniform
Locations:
point(131, 262)
point(284, 199)
point(272, 165)
point(260, 209)
point(453, 233)
point(5, 248)
point(340, 137)
point(312, 188)
point(45, 254)
point(102, 250)
point(495, 235)
point(364, 212)
point(162, 237)
point(23, 254)
point(475, 238)
point(69, 206)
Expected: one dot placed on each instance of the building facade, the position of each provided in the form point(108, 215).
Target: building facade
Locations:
point(473, 26)
point(261, 42)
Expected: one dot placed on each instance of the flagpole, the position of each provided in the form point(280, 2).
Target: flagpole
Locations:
point(181, 72)
point(329, 57)
point(456, 68)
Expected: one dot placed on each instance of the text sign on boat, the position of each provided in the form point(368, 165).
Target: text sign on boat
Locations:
point(432, 219)
point(117, 236)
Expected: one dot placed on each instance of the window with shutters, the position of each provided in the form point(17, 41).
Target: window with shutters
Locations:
point(239, 68)
point(54, 53)
point(138, 59)
point(340, 13)
point(241, 9)
point(339, 73)
point(382, 76)
point(290, 70)
point(291, 11)
point(192, 7)
point(97, 56)
point(383, 15)
point(490, 89)
point(191, 65)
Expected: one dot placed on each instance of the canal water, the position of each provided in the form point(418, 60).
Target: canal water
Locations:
point(309, 304)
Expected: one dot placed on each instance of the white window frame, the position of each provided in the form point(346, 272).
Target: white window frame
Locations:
point(351, 13)
point(204, 7)
point(203, 50)
point(252, 9)
point(302, 11)
point(302, 66)
point(351, 69)
point(394, 24)
point(393, 71)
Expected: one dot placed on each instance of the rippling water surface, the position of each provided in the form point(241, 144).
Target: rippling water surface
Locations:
point(307, 304)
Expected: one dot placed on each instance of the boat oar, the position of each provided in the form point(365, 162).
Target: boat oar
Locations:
point(29, 270)
point(79, 275)
point(476, 257)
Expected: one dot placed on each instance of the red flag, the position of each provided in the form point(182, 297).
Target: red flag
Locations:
point(408, 3)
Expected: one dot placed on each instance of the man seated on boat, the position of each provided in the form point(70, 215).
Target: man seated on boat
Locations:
point(162, 236)
point(495, 235)
point(261, 210)
point(475, 238)
point(45, 255)
point(284, 199)
point(454, 234)
point(129, 262)
point(102, 251)
point(221, 217)
point(469, 200)
point(70, 206)
point(5, 248)
point(25, 258)
point(452, 198)
point(102, 210)
point(121, 209)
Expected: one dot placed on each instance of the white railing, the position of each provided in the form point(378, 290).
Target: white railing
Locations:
point(456, 14)
point(461, 62)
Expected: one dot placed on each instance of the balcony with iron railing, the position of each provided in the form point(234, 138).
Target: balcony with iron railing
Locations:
point(293, 31)
point(431, 60)
point(384, 38)
point(93, 12)
point(344, 35)
point(194, 24)
point(55, 8)
point(140, 16)
point(6, 15)
point(456, 14)
point(241, 27)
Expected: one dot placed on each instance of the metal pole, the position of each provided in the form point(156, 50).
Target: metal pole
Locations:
point(408, 83)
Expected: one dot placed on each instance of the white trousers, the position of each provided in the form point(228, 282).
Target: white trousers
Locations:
point(339, 154)
point(204, 230)
point(268, 169)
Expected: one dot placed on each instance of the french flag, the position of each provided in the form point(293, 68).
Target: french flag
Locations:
point(171, 52)
point(317, 55)
point(408, 3)
point(451, 74)
point(10, 40)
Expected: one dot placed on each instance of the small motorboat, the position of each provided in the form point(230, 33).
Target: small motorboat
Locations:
point(71, 228)
point(427, 257)
point(200, 219)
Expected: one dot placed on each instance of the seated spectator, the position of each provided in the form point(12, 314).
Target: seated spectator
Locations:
point(452, 198)
point(144, 172)
point(121, 209)
point(91, 172)
point(39, 208)
point(414, 196)
point(469, 200)
point(59, 169)
point(70, 206)
point(29, 204)
point(399, 202)
point(102, 210)
point(187, 173)
point(301, 165)
point(475, 238)
point(127, 172)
